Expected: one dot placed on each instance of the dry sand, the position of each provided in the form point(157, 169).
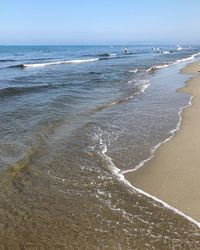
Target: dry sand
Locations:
point(173, 174)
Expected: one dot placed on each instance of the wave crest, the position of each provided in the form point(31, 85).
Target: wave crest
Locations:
point(77, 61)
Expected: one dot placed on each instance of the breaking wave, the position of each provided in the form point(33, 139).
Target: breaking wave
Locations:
point(34, 65)
point(157, 67)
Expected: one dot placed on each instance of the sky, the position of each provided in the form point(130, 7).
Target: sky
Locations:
point(24, 22)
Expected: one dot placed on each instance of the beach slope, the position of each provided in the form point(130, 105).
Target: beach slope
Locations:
point(173, 174)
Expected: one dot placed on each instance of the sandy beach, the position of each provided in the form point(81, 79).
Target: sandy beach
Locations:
point(173, 174)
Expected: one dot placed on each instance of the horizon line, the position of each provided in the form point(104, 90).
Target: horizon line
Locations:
point(117, 44)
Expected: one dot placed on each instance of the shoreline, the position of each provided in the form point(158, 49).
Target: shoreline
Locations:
point(171, 174)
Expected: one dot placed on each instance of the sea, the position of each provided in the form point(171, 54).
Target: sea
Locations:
point(73, 121)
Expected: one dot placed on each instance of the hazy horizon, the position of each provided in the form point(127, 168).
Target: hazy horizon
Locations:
point(99, 23)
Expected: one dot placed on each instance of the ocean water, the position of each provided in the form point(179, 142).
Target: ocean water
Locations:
point(73, 119)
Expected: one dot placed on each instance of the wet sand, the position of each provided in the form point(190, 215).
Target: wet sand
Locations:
point(173, 174)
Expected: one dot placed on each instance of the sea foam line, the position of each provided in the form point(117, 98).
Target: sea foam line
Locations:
point(119, 175)
point(172, 132)
point(192, 57)
point(157, 67)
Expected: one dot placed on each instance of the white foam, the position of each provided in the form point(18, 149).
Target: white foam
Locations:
point(113, 55)
point(157, 67)
point(146, 84)
point(165, 52)
point(156, 49)
point(133, 70)
point(61, 62)
point(179, 48)
point(120, 176)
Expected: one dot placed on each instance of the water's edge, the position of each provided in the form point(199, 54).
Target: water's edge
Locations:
point(120, 175)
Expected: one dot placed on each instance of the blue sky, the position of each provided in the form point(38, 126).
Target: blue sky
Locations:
point(99, 21)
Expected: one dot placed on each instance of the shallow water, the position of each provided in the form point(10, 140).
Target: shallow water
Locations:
point(67, 126)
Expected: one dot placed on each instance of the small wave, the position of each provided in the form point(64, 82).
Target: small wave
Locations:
point(33, 65)
point(143, 85)
point(150, 70)
point(107, 56)
point(157, 67)
point(188, 58)
point(165, 52)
